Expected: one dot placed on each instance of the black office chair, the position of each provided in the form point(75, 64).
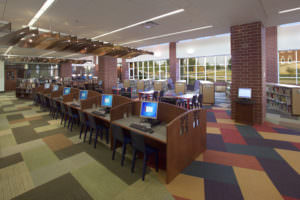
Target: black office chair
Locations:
point(100, 133)
point(93, 126)
point(64, 114)
point(193, 103)
point(138, 144)
point(58, 108)
point(161, 94)
point(83, 123)
point(122, 91)
point(73, 117)
point(118, 135)
point(155, 96)
point(129, 89)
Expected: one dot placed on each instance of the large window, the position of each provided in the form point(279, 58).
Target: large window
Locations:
point(289, 67)
point(212, 68)
point(157, 70)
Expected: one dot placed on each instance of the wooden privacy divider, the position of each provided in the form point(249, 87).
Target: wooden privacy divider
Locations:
point(118, 100)
point(74, 94)
point(88, 103)
point(186, 139)
point(57, 93)
point(119, 111)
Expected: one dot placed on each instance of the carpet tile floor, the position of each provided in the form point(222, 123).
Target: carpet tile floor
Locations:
point(40, 159)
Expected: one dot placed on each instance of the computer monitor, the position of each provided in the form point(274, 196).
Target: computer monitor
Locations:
point(244, 93)
point(47, 85)
point(83, 94)
point(67, 91)
point(149, 110)
point(55, 88)
point(106, 100)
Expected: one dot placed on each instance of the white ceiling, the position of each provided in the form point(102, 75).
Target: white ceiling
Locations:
point(89, 18)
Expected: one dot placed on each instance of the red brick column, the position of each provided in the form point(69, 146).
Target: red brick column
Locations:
point(125, 70)
point(271, 55)
point(248, 65)
point(96, 69)
point(174, 66)
point(108, 72)
point(66, 70)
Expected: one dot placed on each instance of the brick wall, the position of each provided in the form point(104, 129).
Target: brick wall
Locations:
point(271, 55)
point(108, 72)
point(248, 65)
point(174, 66)
point(125, 71)
point(66, 70)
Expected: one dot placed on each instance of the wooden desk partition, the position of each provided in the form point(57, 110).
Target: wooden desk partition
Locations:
point(57, 93)
point(74, 94)
point(186, 140)
point(186, 133)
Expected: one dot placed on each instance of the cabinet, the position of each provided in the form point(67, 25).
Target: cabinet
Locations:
point(244, 112)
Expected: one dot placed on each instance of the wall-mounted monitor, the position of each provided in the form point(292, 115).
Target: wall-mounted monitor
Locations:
point(244, 93)
point(149, 110)
point(47, 85)
point(106, 100)
point(83, 94)
point(55, 88)
point(67, 91)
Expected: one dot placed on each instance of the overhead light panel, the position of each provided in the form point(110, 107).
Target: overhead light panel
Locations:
point(42, 10)
point(142, 22)
point(288, 10)
point(48, 53)
point(169, 34)
point(8, 50)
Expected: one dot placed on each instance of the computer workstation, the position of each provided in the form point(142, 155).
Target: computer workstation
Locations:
point(244, 104)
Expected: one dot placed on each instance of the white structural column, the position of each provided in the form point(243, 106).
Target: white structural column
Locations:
point(2, 76)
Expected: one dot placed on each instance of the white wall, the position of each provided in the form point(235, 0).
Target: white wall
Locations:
point(161, 51)
point(289, 37)
point(208, 46)
point(2, 77)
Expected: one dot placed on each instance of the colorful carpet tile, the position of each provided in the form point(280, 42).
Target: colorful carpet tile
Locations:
point(40, 159)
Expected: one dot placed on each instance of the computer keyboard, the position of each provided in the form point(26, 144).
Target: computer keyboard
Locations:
point(141, 127)
point(98, 113)
point(75, 105)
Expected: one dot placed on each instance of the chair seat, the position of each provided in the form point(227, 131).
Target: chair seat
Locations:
point(151, 150)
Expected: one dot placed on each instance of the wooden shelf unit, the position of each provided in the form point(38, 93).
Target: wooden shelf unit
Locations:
point(207, 89)
point(283, 98)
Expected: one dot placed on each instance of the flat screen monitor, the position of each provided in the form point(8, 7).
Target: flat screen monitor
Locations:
point(244, 93)
point(83, 94)
point(149, 110)
point(106, 100)
point(47, 85)
point(55, 88)
point(67, 91)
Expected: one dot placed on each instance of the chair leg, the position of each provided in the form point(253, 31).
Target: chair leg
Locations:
point(107, 135)
point(85, 133)
point(133, 161)
point(91, 134)
point(66, 118)
point(95, 142)
point(72, 121)
point(114, 149)
point(156, 161)
point(69, 122)
point(62, 118)
point(123, 154)
point(145, 165)
point(81, 130)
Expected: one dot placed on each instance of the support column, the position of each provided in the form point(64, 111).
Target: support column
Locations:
point(125, 70)
point(66, 70)
point(2, 76)
point(108, 72)
point(174, 66)
point(271, 55)
point(249, 66)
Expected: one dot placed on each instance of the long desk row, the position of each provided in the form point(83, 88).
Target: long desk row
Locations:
point(180, 137)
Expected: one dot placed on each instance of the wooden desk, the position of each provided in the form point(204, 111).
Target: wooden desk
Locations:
point(244, 112)
point(159, 132)
point(90, 111)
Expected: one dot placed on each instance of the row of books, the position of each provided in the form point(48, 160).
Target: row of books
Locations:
point(279, 106)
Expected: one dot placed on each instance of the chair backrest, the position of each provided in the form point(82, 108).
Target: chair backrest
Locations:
point(194, 99)
point(82, 117)
point(70, 110)
point(161, 93)
point(122, 89)
point(92, 122)
point(62, 107)
point(129, 89)
point(117, 133)
point(138, 141)
point(200, 98)
point(155, 94)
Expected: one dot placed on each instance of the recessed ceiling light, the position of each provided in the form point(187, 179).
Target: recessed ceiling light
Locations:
point(142, 22)
point(288, 10)
point(30, 40)
point(168, 34)
point(41, 11)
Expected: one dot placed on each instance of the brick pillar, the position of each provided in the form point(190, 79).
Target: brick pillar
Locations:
point(125, 71)
point(248, 65)
point(108, 72)
point(271, 55)
point(174, 66)
point(66, 70)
